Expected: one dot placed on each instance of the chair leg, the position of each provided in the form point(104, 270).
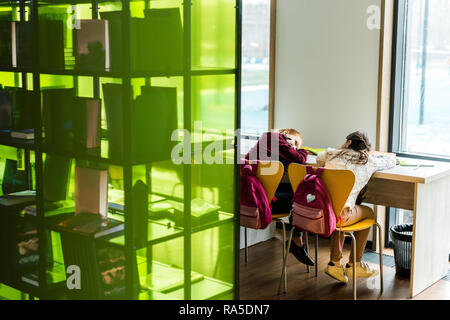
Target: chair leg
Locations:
point(283, 278)
point(306, 244)
point(354, 264)
point(317, 256)
point(283, 244)
point(380, 231)
point(246, 247)
point(283, 250)
point(285, 254)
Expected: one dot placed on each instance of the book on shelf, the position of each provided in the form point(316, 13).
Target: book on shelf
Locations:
point(6, 109)
point(16, 111)
point(91, 45)
point(202, 212)
point(23, 111)
point(24, 49)
point(26, 134)
point(56, 177)
point(114, 118)
point(51, 44)
point(86, 123)
point(31, 278)
point(91, 225)
point(91, 191)
point(201, 208)
point(7, 44)
point(157, 41)
point(155, 115)
point(20, 197)
point(165, 279)
point(31, 210)
point(57, 116)
point(14, 179)
point(164, 39)
point(114, 19)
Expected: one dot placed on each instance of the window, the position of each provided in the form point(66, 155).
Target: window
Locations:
point(255, 66)
point(420, 109)
point(421, 97)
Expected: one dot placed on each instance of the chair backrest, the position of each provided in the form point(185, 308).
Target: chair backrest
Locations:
point(269, 174)
point(339, 183)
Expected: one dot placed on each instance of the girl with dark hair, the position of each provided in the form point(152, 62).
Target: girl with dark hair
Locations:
point(354, 155)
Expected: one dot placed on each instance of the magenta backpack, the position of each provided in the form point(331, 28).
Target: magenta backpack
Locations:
point(311, 208)
point(255, 208)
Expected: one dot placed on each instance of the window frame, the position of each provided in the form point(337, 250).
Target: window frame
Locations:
point(397, 122)
point(272, 51)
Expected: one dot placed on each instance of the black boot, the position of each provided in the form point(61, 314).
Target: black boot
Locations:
point(300, 253)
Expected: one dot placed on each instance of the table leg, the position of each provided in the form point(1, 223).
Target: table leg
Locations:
point(431, 239)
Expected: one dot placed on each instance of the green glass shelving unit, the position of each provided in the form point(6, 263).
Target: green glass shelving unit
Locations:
point(182, 256)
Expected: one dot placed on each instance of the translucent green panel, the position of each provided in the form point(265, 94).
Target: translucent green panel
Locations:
point(213, 257)
point(213, 102)
point(85, 87)
point(183, 231)
point(11, 14)
point(167, 179)
point(52, 81)
point(212, 184)
point(8, 293)
point(10, 79)
point(213, 33)
point(110, 6)
point(29, 81)
point(137, 7)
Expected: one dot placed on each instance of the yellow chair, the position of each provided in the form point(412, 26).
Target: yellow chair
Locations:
point(269, 174)
point(339, 184)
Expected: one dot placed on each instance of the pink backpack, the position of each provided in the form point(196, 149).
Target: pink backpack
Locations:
point(311, 208)
point(255, 208)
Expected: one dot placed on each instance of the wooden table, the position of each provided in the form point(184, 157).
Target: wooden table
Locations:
point(425, 191)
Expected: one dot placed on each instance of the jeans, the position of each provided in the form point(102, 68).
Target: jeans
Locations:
point(350, 217)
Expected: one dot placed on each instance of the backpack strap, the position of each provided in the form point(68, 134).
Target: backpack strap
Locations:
point(309, 170)
point(319, 171)
point(249, 168)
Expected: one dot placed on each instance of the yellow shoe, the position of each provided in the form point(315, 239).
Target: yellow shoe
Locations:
point(363, 270)
point(336, 272)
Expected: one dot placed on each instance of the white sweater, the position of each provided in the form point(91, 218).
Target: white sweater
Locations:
point(363, 172)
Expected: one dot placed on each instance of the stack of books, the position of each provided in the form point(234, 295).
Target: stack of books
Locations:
point(30, 210)
point(91, 225)
point(26, 134)
point(18, 198)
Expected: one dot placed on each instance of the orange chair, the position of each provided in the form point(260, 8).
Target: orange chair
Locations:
point(339, 184)
point(269, 174)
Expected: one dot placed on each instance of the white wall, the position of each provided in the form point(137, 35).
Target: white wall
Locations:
point(326, 69)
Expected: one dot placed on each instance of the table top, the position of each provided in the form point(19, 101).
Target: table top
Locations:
point(424, 172)
point(417, 171)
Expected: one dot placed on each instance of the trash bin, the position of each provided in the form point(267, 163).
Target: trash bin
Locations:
point(402, 237)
